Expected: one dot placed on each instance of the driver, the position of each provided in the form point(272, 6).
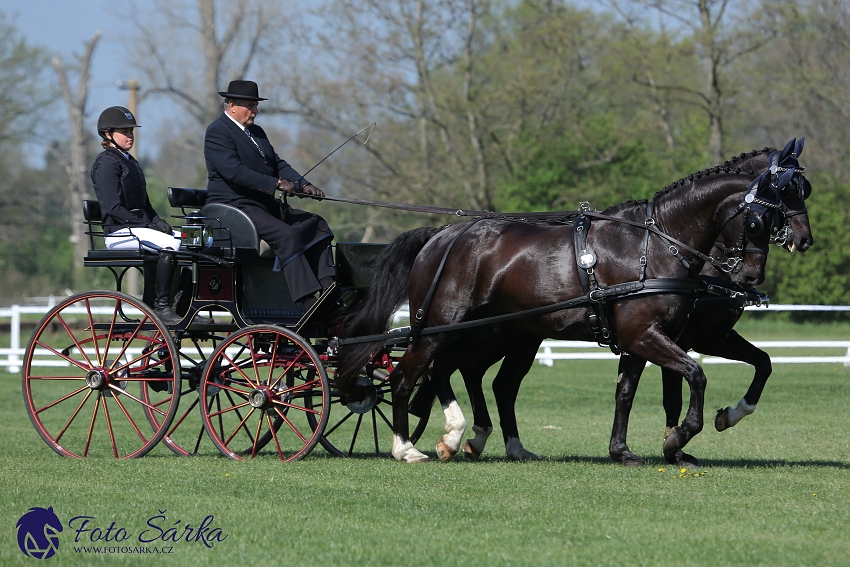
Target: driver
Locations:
point(244, 171)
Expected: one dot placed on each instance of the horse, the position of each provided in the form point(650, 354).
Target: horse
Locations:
point(708, 331)
point(513, 267)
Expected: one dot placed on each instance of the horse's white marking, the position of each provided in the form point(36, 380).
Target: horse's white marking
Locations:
point(481, 434)
point(516, 452)
point(455, 426)
point(405, 451)
point(739, 412)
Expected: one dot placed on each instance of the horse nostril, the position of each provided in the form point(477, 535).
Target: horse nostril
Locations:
point(805, 244)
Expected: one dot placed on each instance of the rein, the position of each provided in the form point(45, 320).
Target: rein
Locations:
point(617, 291)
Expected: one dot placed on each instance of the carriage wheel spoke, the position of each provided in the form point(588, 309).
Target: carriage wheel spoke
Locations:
point(91, 424)
point(130, 419)
point(109, 427)
point(73, 415)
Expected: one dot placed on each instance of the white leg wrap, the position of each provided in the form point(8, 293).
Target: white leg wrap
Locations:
point(455, 426)
point(481, 434)
point(405, 451)
point(516, 452)
point(739, 412)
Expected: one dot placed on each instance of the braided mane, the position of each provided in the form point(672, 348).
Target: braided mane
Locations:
point(727, 167)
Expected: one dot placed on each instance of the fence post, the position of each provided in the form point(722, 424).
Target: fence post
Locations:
point(547, 352)
point(15, 342)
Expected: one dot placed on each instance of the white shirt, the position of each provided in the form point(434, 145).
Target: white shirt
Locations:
point(244, 129)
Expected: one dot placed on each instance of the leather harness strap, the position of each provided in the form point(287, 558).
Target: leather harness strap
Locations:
point(615, 292)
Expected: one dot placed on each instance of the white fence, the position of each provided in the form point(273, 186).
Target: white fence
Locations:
point(11, 358)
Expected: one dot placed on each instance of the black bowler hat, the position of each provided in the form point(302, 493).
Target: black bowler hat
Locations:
point(242, 89)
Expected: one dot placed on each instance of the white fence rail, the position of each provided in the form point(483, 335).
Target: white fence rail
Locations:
point(11, 358)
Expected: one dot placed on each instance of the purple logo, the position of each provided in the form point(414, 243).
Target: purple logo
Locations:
point(38, 533)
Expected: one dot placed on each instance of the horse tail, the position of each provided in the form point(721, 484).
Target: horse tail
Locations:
point(387, 293)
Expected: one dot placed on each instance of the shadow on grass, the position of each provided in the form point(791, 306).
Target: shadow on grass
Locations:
point(599, 460)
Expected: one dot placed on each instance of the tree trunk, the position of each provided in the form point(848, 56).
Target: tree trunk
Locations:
point(75, 163)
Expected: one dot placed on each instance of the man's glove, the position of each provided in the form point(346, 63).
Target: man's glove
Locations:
point(286, 187)
point(312, 190)
point(161, 226)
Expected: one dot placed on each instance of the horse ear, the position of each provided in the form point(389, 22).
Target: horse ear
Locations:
point(789, 147)
point(798, 147)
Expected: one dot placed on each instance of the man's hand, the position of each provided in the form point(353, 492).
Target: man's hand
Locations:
point(313, 191)
point(286, 187)
point(161, 226)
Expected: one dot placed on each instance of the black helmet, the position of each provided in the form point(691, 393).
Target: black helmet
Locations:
point(115, 117)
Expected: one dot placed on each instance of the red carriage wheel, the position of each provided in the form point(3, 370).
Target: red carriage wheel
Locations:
point(82, 371)
point(260, 387)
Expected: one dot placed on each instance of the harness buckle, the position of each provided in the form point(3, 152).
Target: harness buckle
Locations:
point(595, 300)
point(673, 250)
point(649, 222)
point(642, 261)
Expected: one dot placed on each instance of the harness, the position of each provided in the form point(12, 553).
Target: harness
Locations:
point(754, 207)
point(599, 298)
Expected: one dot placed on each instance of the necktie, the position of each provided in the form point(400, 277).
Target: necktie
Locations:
point(255, 142)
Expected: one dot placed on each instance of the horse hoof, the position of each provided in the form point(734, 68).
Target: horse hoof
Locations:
point(629, 459)
point(682, 459)
point(721, 420)
point(471, 454)
point(674, 441)
point(445, 452)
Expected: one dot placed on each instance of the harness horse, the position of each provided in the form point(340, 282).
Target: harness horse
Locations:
point(709, 331)
point(523, 276)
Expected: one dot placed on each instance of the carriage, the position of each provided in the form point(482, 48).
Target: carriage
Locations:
point(268, 377)
point(256, 379)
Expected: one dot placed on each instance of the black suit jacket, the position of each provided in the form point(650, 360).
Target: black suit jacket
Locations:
point(235, 166)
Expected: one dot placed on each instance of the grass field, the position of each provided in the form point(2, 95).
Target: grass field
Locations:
point(774, 490)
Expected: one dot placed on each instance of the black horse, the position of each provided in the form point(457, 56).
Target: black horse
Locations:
point(496, 267)
point(708, 331)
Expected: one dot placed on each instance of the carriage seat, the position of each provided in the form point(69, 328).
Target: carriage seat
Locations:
point(98, 255)
point(234, 235)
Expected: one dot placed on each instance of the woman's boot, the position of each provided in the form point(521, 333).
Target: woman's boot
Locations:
point(162, 288)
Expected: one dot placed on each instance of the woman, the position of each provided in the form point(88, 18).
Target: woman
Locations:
point(129, 220)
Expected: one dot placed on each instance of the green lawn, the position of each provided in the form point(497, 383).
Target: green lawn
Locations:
point(774, 490)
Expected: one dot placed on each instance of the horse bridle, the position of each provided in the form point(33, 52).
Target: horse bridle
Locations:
point(757, 204)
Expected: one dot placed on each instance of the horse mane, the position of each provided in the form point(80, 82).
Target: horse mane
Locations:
point(729, 166)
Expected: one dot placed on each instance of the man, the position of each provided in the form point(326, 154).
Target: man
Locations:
point(244, 171)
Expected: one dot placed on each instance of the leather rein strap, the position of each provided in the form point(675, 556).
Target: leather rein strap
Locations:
point(617, 291)
point(552, 215)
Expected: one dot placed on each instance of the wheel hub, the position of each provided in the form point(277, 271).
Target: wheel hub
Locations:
point(370, 397)
point(96, 379)
point(259, 399)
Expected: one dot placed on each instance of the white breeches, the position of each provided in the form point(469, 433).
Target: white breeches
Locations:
point(149, 239)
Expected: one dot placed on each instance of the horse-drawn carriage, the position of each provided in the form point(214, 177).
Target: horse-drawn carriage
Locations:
point(257, 378)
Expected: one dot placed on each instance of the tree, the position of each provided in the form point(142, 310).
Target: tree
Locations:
point(76, 162)
point(189, 53)
point(717, 40)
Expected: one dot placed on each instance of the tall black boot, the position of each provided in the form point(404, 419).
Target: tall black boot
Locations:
point(162, 288)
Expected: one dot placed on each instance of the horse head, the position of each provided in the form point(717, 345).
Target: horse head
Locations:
point(795, 232)
point(747, 225)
